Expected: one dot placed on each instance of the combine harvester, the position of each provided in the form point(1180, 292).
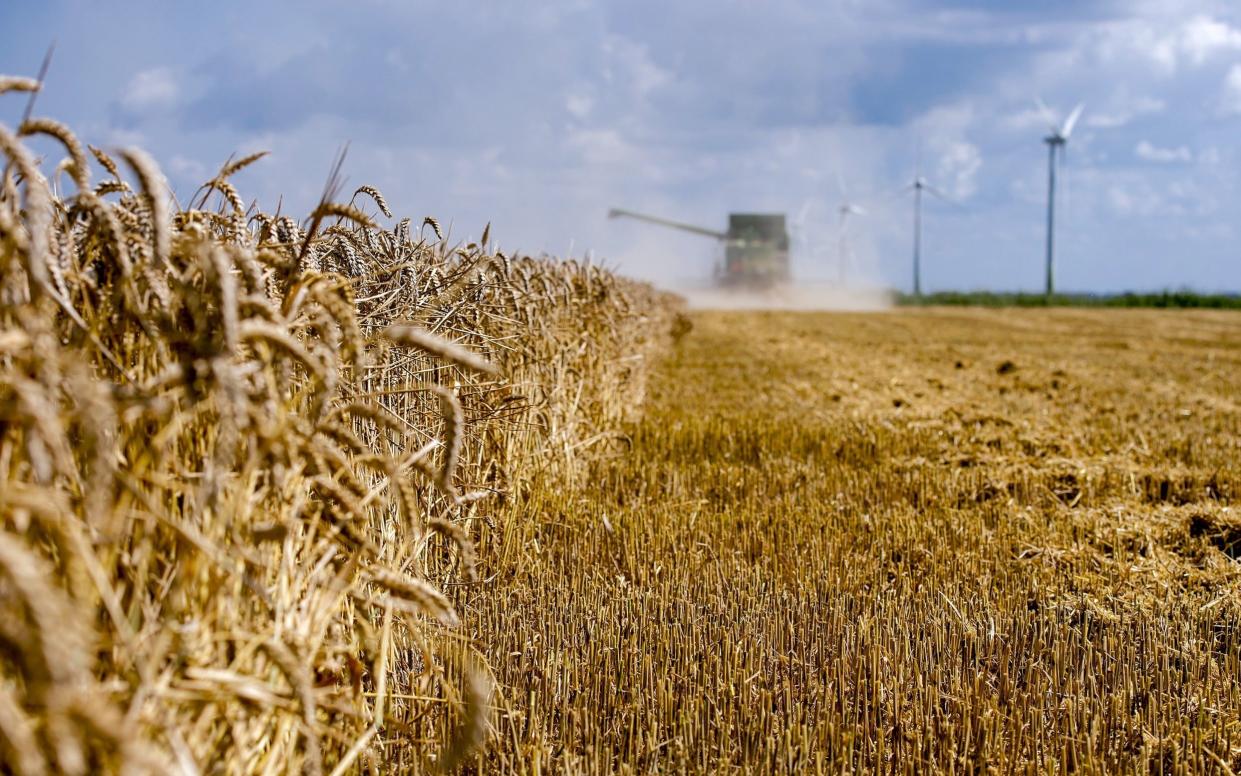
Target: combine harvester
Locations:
point(755, 272)
point(756, 248)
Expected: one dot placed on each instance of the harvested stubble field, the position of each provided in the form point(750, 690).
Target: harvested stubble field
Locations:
point(948, 539)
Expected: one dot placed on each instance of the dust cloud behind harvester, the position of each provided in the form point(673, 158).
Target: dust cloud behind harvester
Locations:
point(755, 272)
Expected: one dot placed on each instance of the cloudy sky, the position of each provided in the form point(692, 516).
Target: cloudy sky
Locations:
point(540, 116)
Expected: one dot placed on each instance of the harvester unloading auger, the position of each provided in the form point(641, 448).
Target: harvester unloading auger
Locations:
point(756, 247)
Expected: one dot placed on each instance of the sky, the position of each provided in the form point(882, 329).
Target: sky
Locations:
point(539, 117)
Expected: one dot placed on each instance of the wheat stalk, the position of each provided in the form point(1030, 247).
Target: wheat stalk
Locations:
point(416, 337)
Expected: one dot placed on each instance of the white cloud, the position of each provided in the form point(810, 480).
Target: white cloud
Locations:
point(956, 160)
point(120, 136)
point(959, 163)
point(631, 64)
point(1193, 198)
point(1028, 118)
point(1230, 101)
point(1168, 47)
point(1152, 153)
point(155, 88)
point(605, 148)
point(1147, 196)
point(1202, 36)
point(579, 105)
point(1121, 113)
point(1120, 200)
point(1135, 199)
point(183, 167)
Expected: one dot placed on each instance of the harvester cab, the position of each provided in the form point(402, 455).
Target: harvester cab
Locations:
point(756, 247)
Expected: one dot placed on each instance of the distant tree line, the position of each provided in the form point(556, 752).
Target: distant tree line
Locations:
point(1167, 299)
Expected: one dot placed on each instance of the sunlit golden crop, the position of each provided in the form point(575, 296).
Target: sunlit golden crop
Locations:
point(341, 495)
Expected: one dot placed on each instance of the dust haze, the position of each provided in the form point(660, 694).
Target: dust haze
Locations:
point(691, 267)
point(795, 297)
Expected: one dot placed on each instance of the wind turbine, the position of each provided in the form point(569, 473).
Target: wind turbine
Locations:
point(1056, 145)
point(918, 186)
point(846, 209)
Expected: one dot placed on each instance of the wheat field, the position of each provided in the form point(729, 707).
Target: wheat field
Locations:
point(347, 494)
point(245, 461)
point(942, 540)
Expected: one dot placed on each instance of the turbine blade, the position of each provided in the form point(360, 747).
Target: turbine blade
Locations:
point(800, 220)
point(1047, 114)
point(1071, 121)
point(889, 194)
point(840, 184)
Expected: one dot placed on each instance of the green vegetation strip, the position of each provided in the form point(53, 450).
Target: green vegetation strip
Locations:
point(1160, 299)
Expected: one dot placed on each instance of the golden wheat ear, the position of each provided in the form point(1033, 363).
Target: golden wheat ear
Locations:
point(417, 337)
point(232, 168)
point(435, 226)
point(79, 169)
point(414, 595)
point(9, 83)
point(454, 430)
point(374, 194)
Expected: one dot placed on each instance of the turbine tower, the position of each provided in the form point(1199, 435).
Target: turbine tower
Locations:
point(918, 186)
point(1056, 144)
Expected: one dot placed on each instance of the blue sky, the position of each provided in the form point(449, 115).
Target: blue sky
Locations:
point(539, 117)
